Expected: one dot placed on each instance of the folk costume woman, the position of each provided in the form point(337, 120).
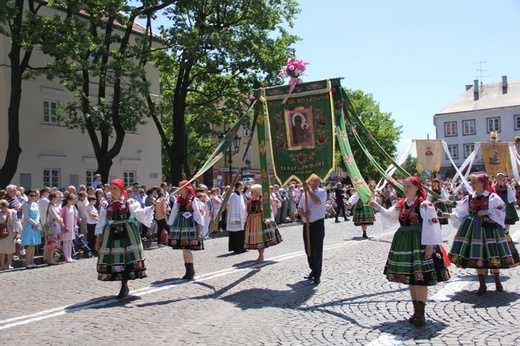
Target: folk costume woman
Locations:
point(481, 240)
point(255, 229)
point(363, 214)
point(118, 242)
point(439, 204)
point(186, 223)
point(415, 256)
point(507, 194)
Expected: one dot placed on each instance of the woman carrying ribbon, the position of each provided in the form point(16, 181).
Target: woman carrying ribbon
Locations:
point(415, 256)
point(118, 242)
point(256, 234)
point(481, 240)
point(186, 223)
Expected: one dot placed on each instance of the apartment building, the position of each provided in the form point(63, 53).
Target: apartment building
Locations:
point(480, 110)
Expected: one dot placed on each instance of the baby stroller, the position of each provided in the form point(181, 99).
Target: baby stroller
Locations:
point(80, 247)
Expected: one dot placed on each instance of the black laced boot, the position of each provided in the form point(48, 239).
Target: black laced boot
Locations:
point(420, 320)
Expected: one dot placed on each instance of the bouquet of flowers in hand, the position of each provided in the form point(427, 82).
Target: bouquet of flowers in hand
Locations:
point(294, 68)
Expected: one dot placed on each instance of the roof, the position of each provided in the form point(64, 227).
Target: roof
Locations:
point(490, 96)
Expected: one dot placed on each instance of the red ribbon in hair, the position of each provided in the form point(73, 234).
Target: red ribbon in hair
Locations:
point(188, 187)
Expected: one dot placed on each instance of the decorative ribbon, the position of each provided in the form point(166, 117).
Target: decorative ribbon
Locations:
point(292, 82)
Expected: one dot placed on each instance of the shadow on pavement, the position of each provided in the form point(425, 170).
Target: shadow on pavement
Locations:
point(491, 299)
point(257, 298)
point(402, 330)
point(101, 303)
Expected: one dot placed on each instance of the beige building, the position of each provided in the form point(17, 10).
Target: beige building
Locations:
point(53, 155)
point(470, 118)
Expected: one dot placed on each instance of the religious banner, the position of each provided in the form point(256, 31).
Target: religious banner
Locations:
point(429, 155)
point(301, 130)
point(495, 157)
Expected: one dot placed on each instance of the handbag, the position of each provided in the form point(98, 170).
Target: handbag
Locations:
point(4, 232)
point(49, 228)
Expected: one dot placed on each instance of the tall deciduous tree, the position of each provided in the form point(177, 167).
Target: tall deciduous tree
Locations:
point(18, 22)
point(219, 50)
point(381, 126)
point(95, 43)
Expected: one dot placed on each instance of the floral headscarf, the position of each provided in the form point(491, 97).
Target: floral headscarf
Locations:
point(119, 183)
point(484, 179)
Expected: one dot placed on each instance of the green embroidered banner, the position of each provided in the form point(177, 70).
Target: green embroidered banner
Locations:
point(301, 130)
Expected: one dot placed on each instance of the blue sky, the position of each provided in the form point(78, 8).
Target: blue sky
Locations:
point(414, 57)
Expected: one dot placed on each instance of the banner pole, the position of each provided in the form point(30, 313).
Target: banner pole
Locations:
point(307, 224)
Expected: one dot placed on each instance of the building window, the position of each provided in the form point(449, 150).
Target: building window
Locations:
point(468, 127)
point(454, 152)
point(493, 124)
point(89, 176)
point(51, 177)
point(468, 149)
point(450, 129)
point(247, 133)
point(129, 177)
point(49, 112)
point(517, 122)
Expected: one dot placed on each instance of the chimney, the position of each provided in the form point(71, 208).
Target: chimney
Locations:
point(468, 86)
point(475, 90)
point(504, 84)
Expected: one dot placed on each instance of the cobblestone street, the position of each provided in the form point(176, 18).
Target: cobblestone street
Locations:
point(237, 302)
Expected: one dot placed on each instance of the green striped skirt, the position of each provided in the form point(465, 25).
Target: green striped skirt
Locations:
point(184, 235)
point(406, 263)
point(121, 256)
point(483, 246)
point(363, 214)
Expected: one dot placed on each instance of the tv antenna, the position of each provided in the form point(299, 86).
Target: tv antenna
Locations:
point(480, 70)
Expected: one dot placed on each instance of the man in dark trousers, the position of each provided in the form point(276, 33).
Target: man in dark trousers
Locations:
point(340, 203)
point(312, 209)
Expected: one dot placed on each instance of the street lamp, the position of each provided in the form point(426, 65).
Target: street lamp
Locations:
point(231, 152)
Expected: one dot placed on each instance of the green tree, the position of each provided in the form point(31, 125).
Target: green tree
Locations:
point(381, 126)
point(218, 52)
point(19, 24)
point(409, 165)
point(101, 59)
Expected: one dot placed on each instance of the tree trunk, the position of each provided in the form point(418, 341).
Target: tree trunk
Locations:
point(179, 147)
point(13, 122)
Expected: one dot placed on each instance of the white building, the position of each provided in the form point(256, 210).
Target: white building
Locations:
point(53, 155)
point(474, 115)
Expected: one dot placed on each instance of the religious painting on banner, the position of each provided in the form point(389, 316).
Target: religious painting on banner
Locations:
point(429, 155)
point(301, 130)
point(495, 157)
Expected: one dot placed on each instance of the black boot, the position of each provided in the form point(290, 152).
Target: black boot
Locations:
point(482, 282)
point(123, 292)
point(498, 284)
point(190, 272)
point(414, 316)
point(420, 320)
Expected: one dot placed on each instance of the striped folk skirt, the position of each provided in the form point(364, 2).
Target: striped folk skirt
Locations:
point(121, 256)
point(184, 235)
point(406, 263)
point(483, 246)
point(258, 235)
point(363, 214)
point(511, 214)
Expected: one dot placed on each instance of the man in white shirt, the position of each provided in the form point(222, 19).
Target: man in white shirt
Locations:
point(312, 209)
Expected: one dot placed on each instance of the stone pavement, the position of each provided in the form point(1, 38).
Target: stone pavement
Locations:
point(236, 302)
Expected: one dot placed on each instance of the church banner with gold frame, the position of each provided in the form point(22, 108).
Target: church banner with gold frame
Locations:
point(300, 130)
